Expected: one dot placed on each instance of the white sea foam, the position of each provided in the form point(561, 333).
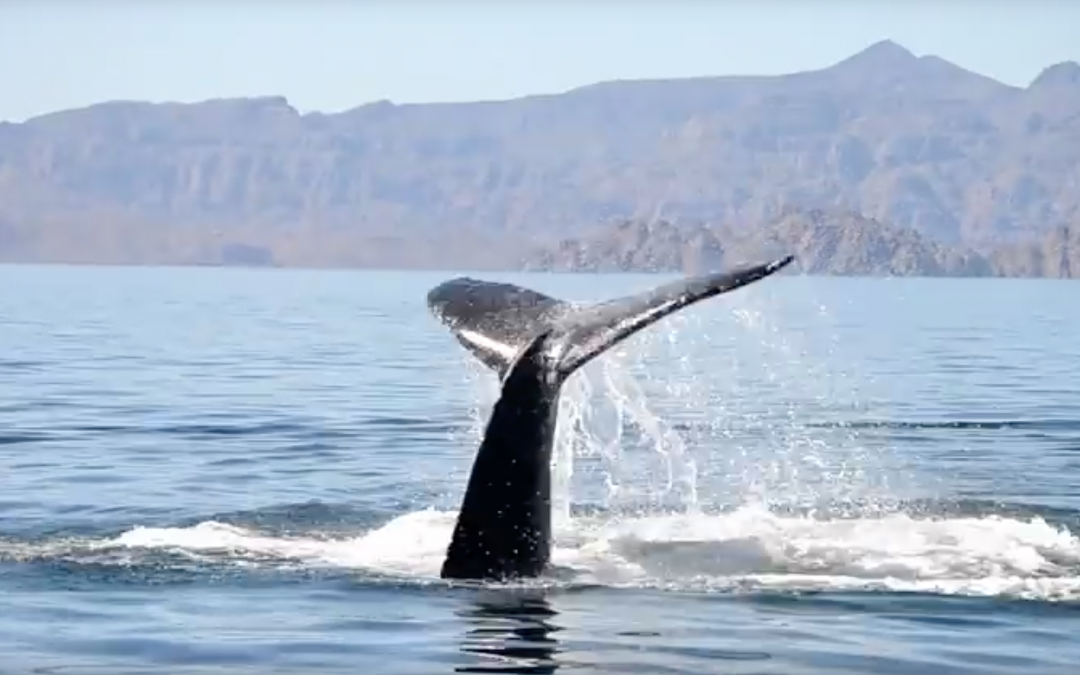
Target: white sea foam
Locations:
point(744, 549)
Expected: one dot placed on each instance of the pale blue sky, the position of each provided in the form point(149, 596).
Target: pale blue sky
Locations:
point(331, 55)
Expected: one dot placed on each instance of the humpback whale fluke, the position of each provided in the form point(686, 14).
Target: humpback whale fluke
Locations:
point(534, 342)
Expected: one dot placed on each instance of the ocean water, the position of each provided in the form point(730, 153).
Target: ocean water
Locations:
point(214, 470)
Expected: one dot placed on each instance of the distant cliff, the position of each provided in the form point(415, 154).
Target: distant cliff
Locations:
point(943, 154)
point(833, 243)
point(1055, 254)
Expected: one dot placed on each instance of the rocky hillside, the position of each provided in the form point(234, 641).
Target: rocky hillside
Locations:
point(834, 243)
point(914, 141)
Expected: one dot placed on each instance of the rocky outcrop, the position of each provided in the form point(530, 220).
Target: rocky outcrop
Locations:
point(828, 243)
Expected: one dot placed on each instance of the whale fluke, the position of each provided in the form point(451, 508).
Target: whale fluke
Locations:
point(534, 342)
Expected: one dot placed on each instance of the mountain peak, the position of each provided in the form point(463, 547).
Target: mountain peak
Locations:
point(884, 53)
point(1066, 73)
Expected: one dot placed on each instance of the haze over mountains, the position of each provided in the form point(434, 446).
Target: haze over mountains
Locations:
point(884, 163)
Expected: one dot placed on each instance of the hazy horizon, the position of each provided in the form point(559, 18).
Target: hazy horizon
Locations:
point(330, 56)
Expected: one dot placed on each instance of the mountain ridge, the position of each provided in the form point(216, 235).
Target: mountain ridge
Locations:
point(913, 141)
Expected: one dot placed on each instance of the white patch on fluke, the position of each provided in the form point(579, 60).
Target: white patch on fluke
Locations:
point(488, 343)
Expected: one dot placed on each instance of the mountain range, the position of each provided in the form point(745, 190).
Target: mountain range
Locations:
point(912, 151)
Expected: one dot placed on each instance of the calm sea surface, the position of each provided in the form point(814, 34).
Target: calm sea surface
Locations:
point(211, 470)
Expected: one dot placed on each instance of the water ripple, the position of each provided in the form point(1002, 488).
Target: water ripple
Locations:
point(258, 469)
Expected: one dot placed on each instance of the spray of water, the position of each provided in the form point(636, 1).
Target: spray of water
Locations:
point(716, 407)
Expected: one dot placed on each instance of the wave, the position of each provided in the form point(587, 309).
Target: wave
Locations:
point(1029, 424)
point(745, 550)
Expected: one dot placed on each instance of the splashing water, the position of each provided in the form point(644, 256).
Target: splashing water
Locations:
point(750, 548)
point(668, 408)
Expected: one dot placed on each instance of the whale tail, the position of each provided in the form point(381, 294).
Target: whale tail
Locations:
point(534, 342)
point(496, 320)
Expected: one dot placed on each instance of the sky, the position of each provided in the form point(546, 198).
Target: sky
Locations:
point(331, 55)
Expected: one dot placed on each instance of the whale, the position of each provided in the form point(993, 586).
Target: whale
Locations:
point(534, 342)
